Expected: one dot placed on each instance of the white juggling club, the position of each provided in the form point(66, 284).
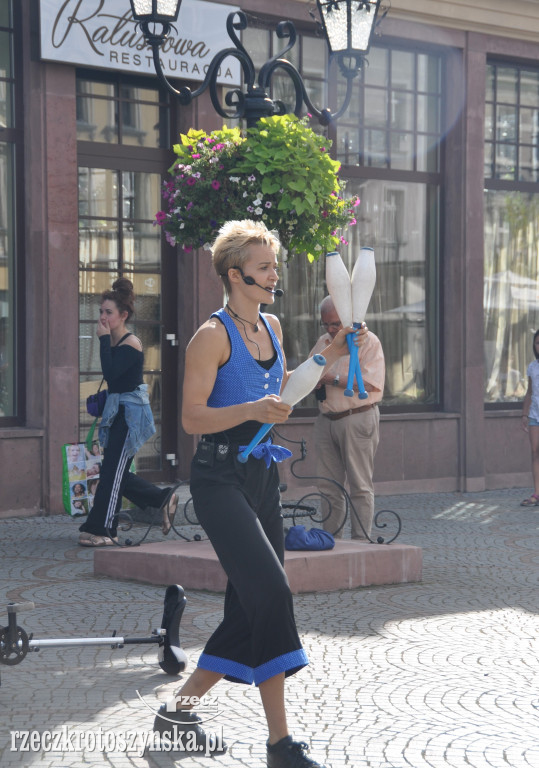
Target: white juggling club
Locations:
point(340, 290)
point(301, 381)
point(339, 287)
point(363, 281)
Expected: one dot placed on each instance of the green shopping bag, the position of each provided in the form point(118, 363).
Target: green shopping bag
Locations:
point(81, 467)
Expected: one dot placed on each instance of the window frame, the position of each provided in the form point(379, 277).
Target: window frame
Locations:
point(122, 158)
point(494, 184)
point(436, 179)
point(14, 136)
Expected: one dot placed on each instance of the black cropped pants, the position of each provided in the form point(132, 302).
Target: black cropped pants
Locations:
point(238, 505)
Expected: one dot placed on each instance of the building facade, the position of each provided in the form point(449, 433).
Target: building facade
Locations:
point(441, 143)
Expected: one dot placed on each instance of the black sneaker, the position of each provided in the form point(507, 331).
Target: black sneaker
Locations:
point(288, 753)
point(182, 729)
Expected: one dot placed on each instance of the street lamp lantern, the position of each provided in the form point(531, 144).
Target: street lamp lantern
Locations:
point(348, 27)
point(162, 11)
point(348, 24)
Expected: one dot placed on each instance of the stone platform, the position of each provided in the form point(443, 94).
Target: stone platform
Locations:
point(194, 565)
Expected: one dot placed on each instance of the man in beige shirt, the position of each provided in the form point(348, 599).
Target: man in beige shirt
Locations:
point(347, 430)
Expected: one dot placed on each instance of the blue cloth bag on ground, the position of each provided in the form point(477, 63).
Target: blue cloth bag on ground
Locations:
point(298, 537)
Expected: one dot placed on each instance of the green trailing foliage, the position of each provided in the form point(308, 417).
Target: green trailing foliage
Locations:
point(280, 173)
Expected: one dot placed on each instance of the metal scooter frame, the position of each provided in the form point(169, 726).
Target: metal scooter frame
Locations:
point(15, 643)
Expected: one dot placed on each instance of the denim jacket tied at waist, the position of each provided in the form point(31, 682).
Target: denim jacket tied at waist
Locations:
point(138, 416)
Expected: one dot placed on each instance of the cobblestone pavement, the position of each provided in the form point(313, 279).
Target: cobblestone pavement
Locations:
point(441, 673)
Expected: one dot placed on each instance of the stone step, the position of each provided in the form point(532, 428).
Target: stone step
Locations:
point(194, 565)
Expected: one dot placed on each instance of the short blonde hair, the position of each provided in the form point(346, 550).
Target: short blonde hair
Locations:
point(231, 246)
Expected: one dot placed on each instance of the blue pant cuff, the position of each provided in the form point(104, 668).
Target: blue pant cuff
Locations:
point(226, 667)
point(285, 663)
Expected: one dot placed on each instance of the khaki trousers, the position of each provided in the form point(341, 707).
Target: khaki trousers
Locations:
point(345, 452)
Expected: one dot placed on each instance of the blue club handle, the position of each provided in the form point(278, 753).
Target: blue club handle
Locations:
point(363, 395)
point(349, 391)
point(262, 432)
point(354, 369)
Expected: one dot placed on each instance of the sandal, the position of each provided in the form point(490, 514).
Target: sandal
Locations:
point(533, 501)
point(89, 540)
point(170, 507)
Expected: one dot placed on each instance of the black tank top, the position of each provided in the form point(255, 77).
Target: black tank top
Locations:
point(122, 365)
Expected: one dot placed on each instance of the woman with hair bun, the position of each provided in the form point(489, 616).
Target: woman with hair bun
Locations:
point(126, 424)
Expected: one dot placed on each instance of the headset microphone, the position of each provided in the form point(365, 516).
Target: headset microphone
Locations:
point(248, 280)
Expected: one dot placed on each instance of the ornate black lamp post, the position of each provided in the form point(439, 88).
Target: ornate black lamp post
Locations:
point(348, 26)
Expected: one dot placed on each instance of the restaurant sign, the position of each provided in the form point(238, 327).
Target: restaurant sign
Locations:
point(102, 33)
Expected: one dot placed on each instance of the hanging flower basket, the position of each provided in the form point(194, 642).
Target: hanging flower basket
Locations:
point(280, 173)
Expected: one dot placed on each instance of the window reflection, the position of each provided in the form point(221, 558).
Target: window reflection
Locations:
point(512, 123)
point(7, 284)
point(400, 221)
point(98, 192)
point(398, 101)
point(6, 75)
point(120, 114)
point(511, 291)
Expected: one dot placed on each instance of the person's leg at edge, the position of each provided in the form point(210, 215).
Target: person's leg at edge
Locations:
point(534, 442)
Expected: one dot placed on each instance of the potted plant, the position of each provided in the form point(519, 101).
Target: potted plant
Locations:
point(280, 173)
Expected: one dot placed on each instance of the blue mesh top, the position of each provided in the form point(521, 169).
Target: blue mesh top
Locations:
point(243, 379)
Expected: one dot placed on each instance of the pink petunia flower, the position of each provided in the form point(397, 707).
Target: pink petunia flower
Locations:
point(215, 184)
point(195, 157)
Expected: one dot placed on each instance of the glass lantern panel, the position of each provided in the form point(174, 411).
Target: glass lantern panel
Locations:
point(335, 18)
point(362, 23)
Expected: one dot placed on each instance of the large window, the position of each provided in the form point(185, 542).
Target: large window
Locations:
point(511, 288)
point(400, 221)
point(395, 117)
point(119, 193)
point(10, 397)
point(394, 127)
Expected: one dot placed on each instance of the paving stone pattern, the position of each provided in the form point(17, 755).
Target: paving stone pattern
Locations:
point(441, 673)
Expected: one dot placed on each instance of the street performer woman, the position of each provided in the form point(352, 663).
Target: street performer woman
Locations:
point(235, 369)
